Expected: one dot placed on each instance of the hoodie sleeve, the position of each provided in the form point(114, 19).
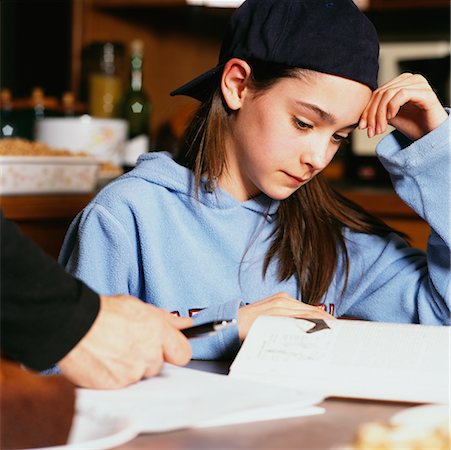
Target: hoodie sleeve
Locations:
point(223, 345)
point(393, 282)
point(98, 250)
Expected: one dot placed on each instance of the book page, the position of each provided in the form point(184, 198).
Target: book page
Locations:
point(351, 359)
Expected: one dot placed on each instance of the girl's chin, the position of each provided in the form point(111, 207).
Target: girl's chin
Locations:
point(280, 194)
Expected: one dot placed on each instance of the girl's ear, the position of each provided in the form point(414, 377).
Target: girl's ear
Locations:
point(234, 82)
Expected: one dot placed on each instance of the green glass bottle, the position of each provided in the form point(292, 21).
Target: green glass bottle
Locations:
point(136, 108)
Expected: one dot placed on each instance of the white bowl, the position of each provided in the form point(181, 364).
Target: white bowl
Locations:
point(102, 138)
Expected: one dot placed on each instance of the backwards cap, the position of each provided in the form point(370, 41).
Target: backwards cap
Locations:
point(329, 36)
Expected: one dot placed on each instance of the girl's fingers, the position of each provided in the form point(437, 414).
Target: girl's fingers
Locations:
point(390, 101)
point(296, 310)
point(403, 80)
point(387, 101)
point(280, 304)
point(404, 76)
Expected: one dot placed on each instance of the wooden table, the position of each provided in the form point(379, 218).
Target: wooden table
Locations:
point(335, 429)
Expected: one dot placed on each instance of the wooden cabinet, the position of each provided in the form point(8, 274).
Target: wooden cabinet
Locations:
point(44, 218)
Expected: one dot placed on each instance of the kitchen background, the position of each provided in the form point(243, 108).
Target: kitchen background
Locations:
point(60, 46)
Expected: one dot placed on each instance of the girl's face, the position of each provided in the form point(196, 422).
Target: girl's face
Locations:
point(284, 136)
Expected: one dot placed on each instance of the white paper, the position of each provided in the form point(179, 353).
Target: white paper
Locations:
point(184, 398)
point(351, 359)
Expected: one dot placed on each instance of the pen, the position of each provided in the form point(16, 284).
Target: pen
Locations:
point(207, 329)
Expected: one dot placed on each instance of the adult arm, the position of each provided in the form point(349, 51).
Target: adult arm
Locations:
point(49, 317)
point(44, 311)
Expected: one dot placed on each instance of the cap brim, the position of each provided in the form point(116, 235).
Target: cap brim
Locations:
point(201, 86)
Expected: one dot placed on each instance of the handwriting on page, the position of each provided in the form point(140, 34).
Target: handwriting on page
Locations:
point(294, 343)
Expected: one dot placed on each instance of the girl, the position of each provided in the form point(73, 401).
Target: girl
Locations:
point(245, 224)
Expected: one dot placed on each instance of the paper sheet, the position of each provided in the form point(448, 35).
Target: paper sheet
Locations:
point(184, 398)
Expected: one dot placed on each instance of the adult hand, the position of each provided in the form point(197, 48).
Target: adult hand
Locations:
point(408, 103)
point(128, 341)
point(280, 304)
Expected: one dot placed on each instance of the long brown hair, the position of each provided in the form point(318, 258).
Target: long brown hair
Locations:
point(309, 235)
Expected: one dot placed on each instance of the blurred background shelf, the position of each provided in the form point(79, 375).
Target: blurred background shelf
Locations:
point(44, 218)
point(384, 203)
point(42, 44)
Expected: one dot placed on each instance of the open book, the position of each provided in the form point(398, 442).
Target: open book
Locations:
point(357, 359)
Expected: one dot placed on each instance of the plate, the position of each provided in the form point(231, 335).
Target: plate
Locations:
point(95, 432)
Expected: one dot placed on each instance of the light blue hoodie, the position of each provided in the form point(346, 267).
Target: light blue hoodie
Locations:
point(145, 234)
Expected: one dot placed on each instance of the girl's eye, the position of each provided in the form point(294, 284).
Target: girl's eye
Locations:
point(340, 139)
point(336, 138)
point(300, 124)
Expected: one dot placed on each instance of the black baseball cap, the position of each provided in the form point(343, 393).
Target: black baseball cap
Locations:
point(329, 36)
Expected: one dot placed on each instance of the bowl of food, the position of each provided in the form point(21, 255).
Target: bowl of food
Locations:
point(28, 167)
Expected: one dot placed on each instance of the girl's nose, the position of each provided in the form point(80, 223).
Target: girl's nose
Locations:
point(317, 157)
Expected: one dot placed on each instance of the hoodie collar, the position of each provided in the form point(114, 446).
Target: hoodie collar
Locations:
point(160, 168)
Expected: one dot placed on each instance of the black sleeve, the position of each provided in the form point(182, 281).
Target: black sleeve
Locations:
point(44, 310)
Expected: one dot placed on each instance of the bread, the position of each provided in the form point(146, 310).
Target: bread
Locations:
point(36, 410)
point(24, 147)
point(389, 436)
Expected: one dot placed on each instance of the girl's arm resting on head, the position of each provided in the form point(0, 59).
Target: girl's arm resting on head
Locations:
point(408, 103)
point(399, 284)
point(420, 173)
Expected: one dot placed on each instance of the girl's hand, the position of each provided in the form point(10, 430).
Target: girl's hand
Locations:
point(407, 103)
point(280, 304)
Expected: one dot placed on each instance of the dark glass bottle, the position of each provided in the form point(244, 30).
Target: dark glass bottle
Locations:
point(136, 108)
point(38, 103)
point(9, 127)
point(40, 107)
point(68, 105)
